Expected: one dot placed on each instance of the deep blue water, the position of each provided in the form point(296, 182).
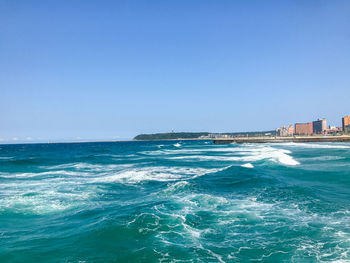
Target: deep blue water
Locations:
point(188, 201)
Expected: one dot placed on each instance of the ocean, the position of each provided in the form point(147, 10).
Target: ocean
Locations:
point(175, 201)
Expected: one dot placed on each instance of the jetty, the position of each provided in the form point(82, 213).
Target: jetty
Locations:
point(277, 139)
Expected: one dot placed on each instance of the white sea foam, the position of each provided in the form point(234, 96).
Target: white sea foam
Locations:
point(5, 158)
point(190, 151)
point(317, 145)
point(29, 175)
point(54, 191)
point(42, 203)
point(154, 173)
point(177, 145)
point(247, 165)
point(45, 196)
point(136, 176)
point(88, 167)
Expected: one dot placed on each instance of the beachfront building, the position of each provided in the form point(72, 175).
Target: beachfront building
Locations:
point(284, 131)
point(346, 124)
point(319, 126)
point(333, 130)
point(303, 128)
point(346, 129)
point(290, 130)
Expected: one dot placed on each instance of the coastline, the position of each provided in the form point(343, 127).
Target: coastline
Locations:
point(340, 138)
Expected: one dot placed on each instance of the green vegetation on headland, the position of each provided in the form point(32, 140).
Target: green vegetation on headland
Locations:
point(199, 135)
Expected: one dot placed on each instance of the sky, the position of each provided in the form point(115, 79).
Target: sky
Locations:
point(96, 70)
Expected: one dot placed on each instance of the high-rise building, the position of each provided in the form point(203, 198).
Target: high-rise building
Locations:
point(319, 126)
point(303, 128)
point(346, 123)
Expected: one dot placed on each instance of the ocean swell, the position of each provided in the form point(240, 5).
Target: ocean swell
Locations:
point(175, 201)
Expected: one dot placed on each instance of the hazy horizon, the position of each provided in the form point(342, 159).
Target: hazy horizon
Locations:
point(110, 70)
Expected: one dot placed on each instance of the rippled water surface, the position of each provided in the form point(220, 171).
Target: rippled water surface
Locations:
point(180, 201)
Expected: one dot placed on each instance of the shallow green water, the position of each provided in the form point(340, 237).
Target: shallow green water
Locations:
point(186, 201)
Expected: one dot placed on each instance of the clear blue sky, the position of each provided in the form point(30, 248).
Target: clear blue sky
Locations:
point(113, 69)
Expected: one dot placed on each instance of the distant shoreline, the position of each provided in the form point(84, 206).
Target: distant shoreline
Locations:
point(296, 139)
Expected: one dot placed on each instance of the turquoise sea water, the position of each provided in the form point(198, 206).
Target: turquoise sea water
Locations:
point(188, 201)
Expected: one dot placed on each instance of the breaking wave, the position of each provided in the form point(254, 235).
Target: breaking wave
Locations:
point(248, 155)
